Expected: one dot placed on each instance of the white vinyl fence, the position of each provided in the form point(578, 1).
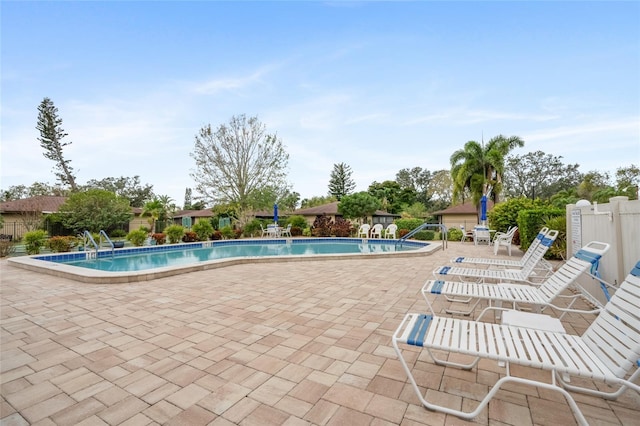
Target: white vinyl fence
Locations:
point(616, 223)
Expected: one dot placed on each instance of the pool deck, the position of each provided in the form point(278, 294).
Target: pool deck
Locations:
point(281, 343)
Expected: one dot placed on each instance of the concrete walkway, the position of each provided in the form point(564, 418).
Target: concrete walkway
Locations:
point(267, 344)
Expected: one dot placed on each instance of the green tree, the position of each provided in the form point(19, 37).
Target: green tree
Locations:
point(627, 181)
point(538, 175)
point(316, 201)
point(236, 160)
point(289, 200)
point(94, 210)
point(593, 182)
point(187, 199)
point(159, 209)
point(127, 187)
point(418, 181)
point(392, 198)
point(479, 167)
point(440, 190)
point(18, 192)
point(358, 206)
point(51, 136)
point(340, 182)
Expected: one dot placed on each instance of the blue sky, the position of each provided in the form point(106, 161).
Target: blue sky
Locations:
point(380, 86)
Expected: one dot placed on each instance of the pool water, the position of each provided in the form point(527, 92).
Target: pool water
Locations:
point(129, 260)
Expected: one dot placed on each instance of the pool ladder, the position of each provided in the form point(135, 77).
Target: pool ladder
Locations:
point(94, 246)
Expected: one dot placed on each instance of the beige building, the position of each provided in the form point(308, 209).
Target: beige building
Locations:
point(466, 214)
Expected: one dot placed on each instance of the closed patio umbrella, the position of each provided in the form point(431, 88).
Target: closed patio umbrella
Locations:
point(275, 213)
point(483, 210)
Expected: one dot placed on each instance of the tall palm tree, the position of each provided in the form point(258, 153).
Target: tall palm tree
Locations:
point(479, 167)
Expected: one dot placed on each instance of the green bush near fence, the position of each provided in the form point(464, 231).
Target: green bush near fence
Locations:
point(34, 241)
point(174, 233)
point(137, 237)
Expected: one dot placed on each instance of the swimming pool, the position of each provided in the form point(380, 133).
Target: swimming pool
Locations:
point(146, 263)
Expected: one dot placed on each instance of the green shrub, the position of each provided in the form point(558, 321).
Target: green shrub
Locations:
point(118, 233)
point(227, 232)
point(408, 224)
point(530, 222)
point(34, 241)
point(137, 237)
point(253, 228)
point(505, 215)
point(174, 233)
point(306, 232)
point(297, 221)
point(454, 234)
point(424, 235)
point(61, 244)
point(559, 248)
point(160, 238)
point(203, 229)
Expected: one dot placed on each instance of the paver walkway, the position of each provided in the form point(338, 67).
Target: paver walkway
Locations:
point(288, 343)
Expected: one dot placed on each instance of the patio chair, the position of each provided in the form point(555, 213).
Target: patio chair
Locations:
point(376, 231)
point(529, 272)
point(286, 232)
point(391, 231)
point(364, 230)
point(481, 234)
point(539, 246)
point(608, 351)
point(503, 239)
point(585, 260)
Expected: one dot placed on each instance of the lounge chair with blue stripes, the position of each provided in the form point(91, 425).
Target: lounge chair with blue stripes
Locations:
point(586, 260)
point(607, 352)
point(528, 270)
point(538, 248)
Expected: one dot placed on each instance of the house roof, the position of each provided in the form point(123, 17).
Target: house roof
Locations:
point(41, 203)
point(332, 209)
point(464, 208)
point(193, 213)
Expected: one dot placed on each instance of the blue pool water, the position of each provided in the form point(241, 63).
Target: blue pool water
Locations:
point(141, 259)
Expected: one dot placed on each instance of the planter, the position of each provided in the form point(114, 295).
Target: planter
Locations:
point(118, 244)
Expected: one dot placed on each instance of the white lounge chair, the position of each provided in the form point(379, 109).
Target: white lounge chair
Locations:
point(376, 231)
point(608, 351)
point(529, 272)
point(539, 246)
point(363, 231)
point(391, 231)
point(503, 239)
point(585, 260)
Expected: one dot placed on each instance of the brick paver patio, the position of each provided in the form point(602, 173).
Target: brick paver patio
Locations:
point(287, 343)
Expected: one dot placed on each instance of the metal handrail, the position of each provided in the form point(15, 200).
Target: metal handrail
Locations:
point(106, 237)
point(423, 226)
point(87, 237)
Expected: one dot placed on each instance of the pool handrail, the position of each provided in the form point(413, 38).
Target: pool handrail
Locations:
point(443, 232)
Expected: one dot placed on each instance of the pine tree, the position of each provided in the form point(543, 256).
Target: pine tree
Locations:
point(341, 183)
point(187, 199)
point(51, 135)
